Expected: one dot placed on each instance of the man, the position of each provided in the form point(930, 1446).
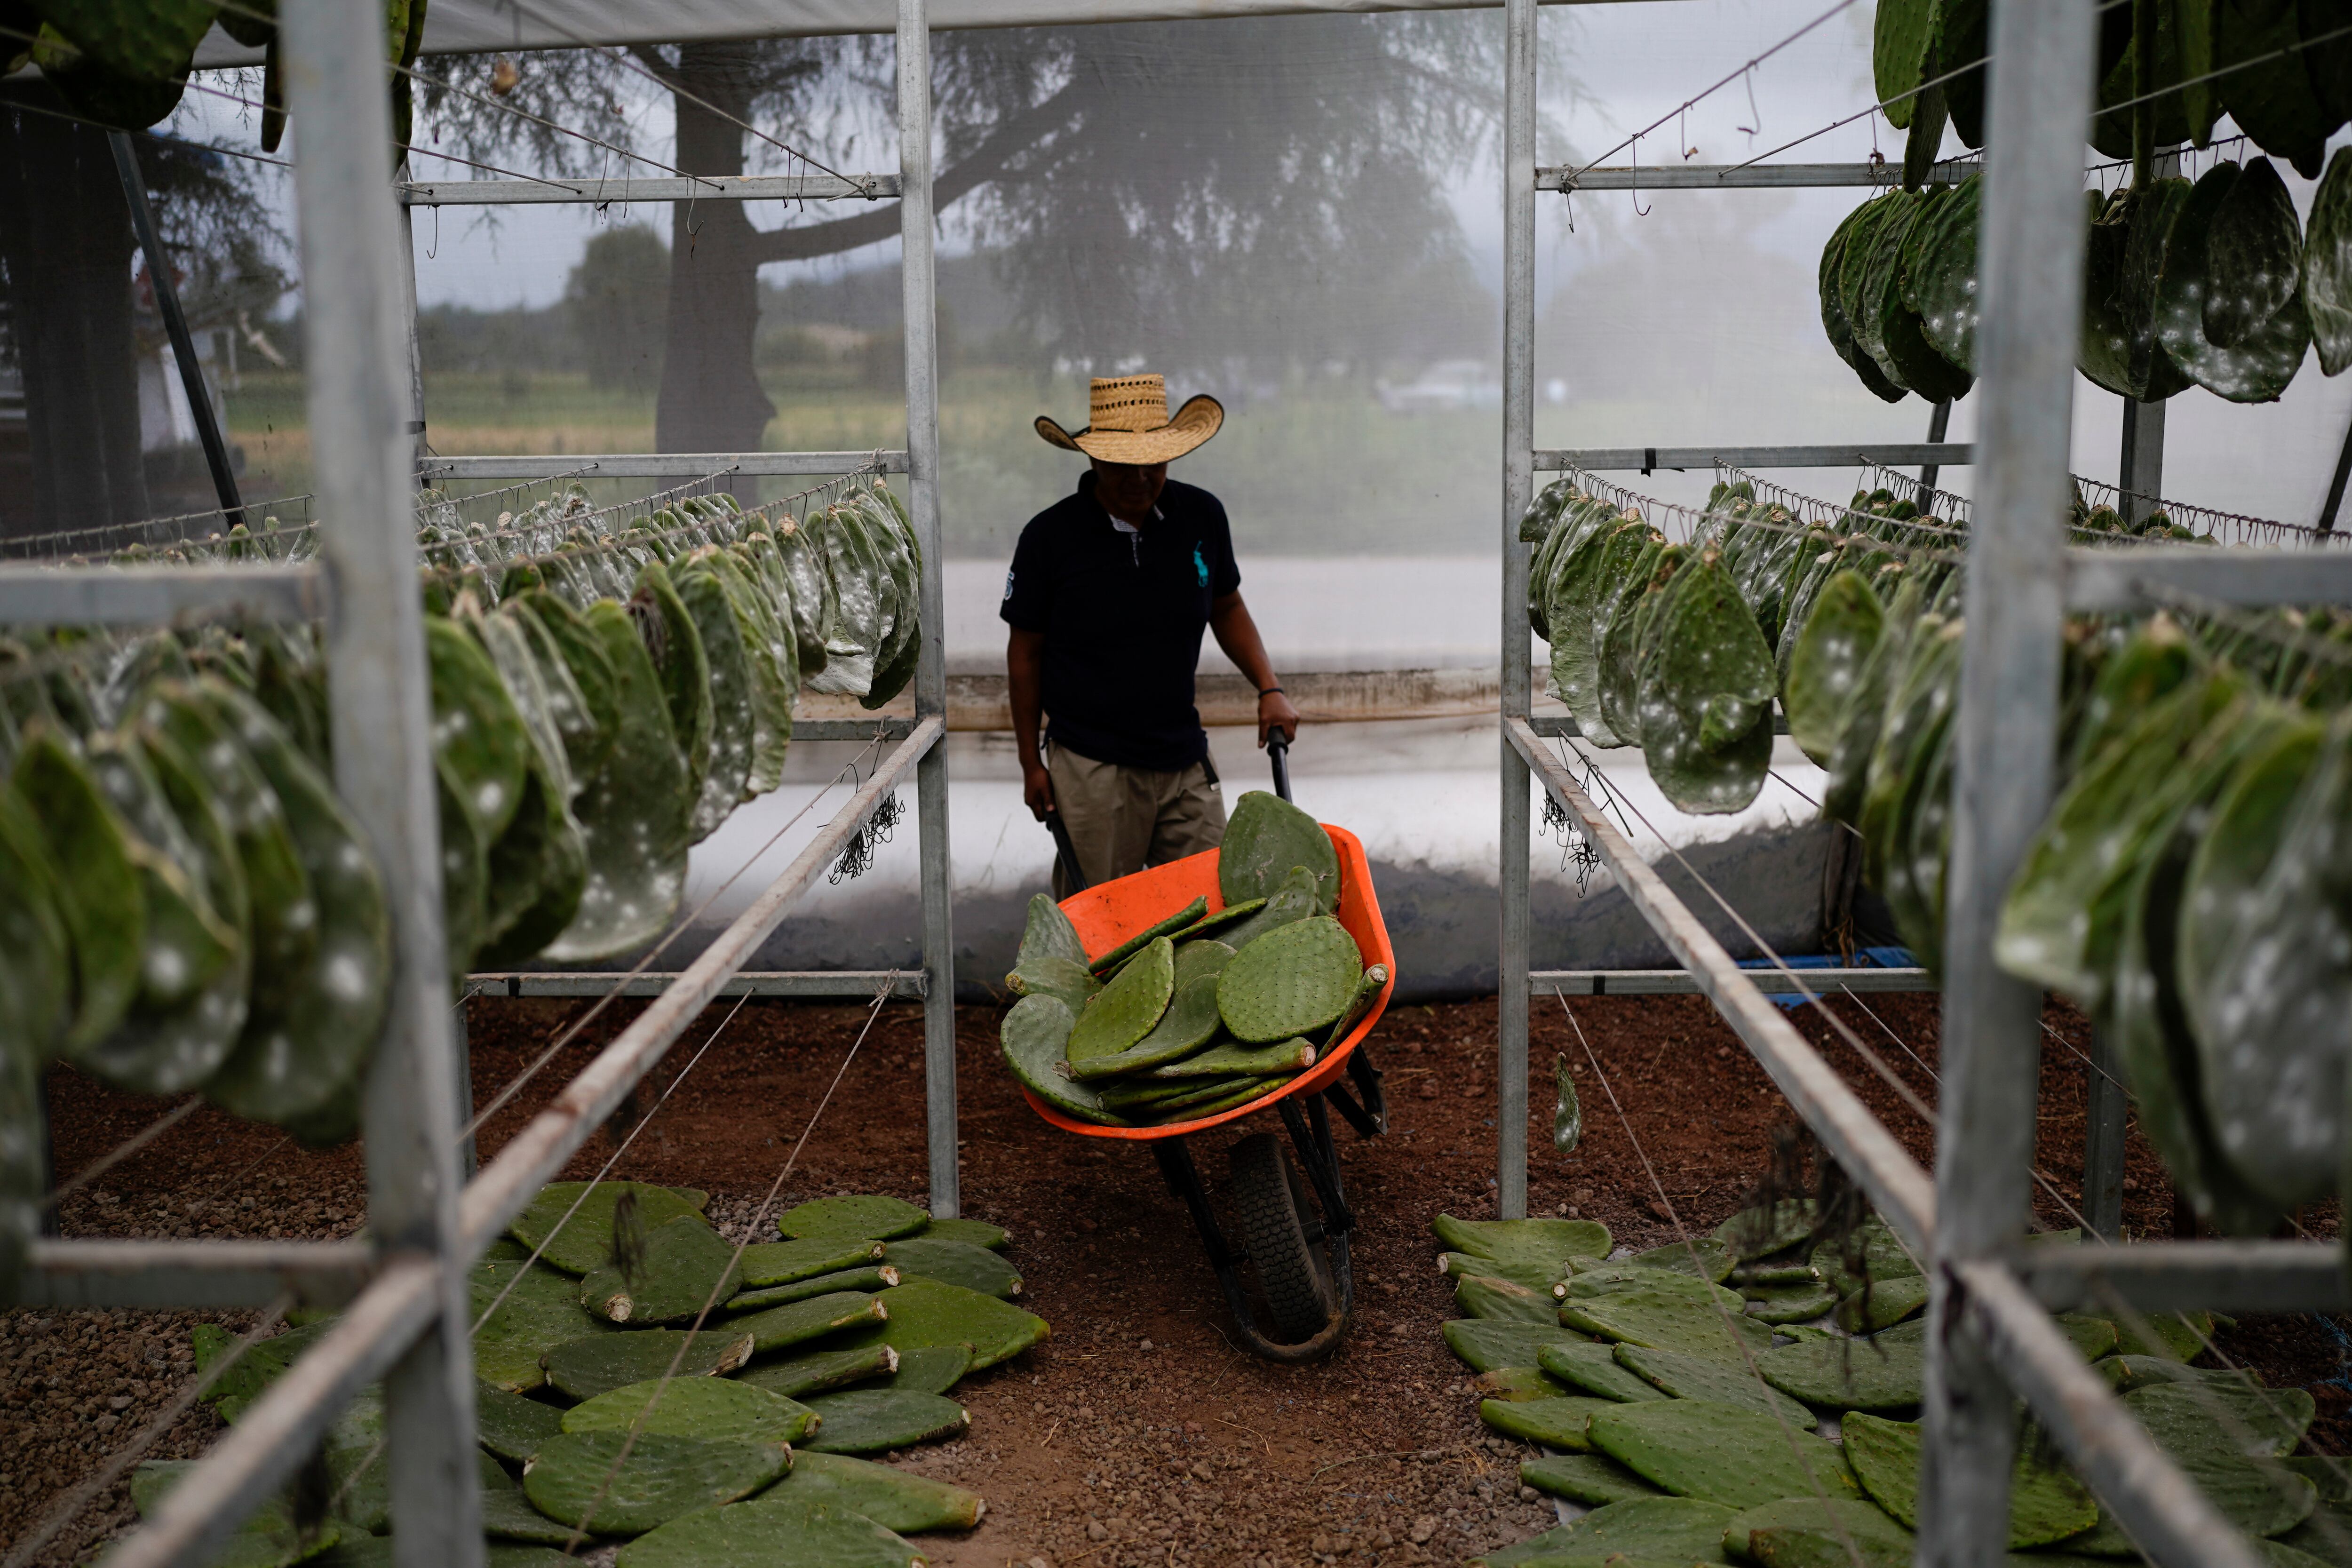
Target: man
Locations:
point(1109, 592)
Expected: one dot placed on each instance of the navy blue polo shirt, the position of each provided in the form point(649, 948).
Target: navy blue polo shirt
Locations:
point(1122, 613)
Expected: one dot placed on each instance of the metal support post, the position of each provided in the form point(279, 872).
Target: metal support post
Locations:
point(931, 669)
point(415, 377)
point(2030, 259)
point(1939, 421)
point(2336, 486)
point(359, 397)
point(2140, 469)
point(2104, 1110)
point(1518, 489)
point(461, 1055)
point(176, 325)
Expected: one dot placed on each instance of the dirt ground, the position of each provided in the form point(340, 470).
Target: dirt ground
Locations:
point(1138, 1434)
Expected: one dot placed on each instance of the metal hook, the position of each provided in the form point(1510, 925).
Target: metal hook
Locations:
point(1634, 190)
point(1747, 78)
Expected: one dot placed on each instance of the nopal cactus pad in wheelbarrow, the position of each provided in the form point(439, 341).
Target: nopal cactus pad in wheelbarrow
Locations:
point(1290, 982)
point(1124, 1011)
point(1265, 839)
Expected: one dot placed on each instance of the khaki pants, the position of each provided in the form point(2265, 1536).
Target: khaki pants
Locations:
point(1121, 820)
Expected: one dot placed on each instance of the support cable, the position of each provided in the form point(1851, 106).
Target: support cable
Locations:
point(767, 1205)
point(1674, 1217)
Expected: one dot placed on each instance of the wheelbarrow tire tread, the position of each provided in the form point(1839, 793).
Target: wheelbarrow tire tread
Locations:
point(1276, 1215)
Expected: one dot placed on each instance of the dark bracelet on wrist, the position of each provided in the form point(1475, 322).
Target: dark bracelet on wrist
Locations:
point(1268, 690)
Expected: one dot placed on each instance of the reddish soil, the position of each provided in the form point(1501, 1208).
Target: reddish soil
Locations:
point(1138, 1434)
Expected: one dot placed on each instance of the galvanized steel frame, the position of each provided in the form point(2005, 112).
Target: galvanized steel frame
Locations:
point(1991, 1338)
point(404, 1294)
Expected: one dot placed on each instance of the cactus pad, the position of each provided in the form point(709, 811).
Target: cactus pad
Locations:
point(541, 1312)
point(2095, 1337)
point(893, 1499)
point(2045, 1504)
point(1294, 900)
point(1593, 1479)
point(931, 1369)
point(1189, 915)
point(1794, 1303)
point(715, 1409)
point(1526, 1240)
point(602, 1363)
point(779, 1328)
point(1545, 1276)
point(585, 1240)
point(1197, 956)
point(1479, 1297)
point(1721, 1381)
point(1555, 1423)
point(687, 1266)
point(1719, 1453)
point(1839, 1373)
point(869, 1420)
point(1035, 1037)
point(1663, 1311)
point(865, 1280)
point(1888, 1302)
point(1484, 1344)
point(1593, 1369)
point(979, 1233)
point(1190, 1023)
point(508, 1514)
point(662, 1477)
point(269, 1537)
point(1050, 934)
point(1761, 1232)
point(2261, 1423)
point(2180, 1336)
point(1265, 839)
point(511, 1427)
point(1218, 922)
point(817, 1371)
point(1521, 1382)
point(1647, 1530)
point(770, 1530)
point(769, 1263)
point(1058, 977)
point(932, 1313)
point(1808, 1529)
point(859, 1216)
point(1280, 1059)
point(1124, 1011)
point(1706, 1257)
point(956, 1263)
point(1290, 982)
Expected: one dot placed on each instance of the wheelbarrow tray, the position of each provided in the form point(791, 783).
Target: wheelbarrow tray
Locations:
point(1109, 914)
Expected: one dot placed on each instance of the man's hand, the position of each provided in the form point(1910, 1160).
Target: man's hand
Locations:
point(1037, 789)
point(1275, 713)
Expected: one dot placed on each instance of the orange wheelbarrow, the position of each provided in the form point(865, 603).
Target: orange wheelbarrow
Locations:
point(1293, 1232)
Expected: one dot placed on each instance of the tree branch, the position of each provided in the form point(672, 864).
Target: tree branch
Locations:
point(985, 163)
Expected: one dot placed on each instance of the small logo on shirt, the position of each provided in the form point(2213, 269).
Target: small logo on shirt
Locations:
point(1008, 584)
point(1199, 566)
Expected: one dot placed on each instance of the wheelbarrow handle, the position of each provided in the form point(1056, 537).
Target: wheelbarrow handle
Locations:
point(1277, 752)
point(1067, 850)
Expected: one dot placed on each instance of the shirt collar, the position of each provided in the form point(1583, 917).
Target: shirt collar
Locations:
point(1086, 489)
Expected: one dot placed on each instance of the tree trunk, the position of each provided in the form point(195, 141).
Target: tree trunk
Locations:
point(710, 399)
point(65, 240)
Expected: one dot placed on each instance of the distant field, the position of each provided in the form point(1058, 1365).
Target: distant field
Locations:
point(1319, 469)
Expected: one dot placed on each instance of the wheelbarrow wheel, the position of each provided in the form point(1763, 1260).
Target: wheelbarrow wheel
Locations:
point(1285, 1240)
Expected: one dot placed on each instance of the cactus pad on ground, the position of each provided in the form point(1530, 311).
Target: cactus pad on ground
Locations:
point(586, 1368)
point(687, 1266)
point(715, 1409)
point(662, 1477)
point(1479, 1297)
point(1841, 1374)
point(1702, 1377)
point(866, 1280)
point(1526, 1240)
point(770, 1530)
point(814, 1371)
point(892, 1498)
point(931, 1369)
point(1555, 1423)
point(862, 1216)
point(932, 1313)
point(2046, 1505)
point(511, 1427)
point(584, 1241)
point(1593, 1368)
point(1593, 1479)
point(869, 1420)
point(1484, 1344)
point(769, 1263)
point(779, 1328)
point(1719, 1452)
point(955, 1263)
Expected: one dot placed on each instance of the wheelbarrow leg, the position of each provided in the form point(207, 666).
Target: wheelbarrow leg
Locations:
point(1183, 1180)
point(1370, 1119)
point(1321, 1157)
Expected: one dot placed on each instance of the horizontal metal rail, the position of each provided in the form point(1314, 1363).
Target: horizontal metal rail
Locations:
point(603, 193)
point(1887, 454)
point(890, 728)
point(2183, 1276)
point(1738, 176)
point(103, 595)
point(203, 1274)
point(2140, 576)
point(906, 985)
point(271, 1439)
point(657, 465)
point(534, 1155)
point(1683, 983)
point(2161, 1509)
point(1554, 725)
point(1903, 1193)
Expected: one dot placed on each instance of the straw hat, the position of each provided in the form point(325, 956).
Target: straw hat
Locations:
point(1127, 422)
